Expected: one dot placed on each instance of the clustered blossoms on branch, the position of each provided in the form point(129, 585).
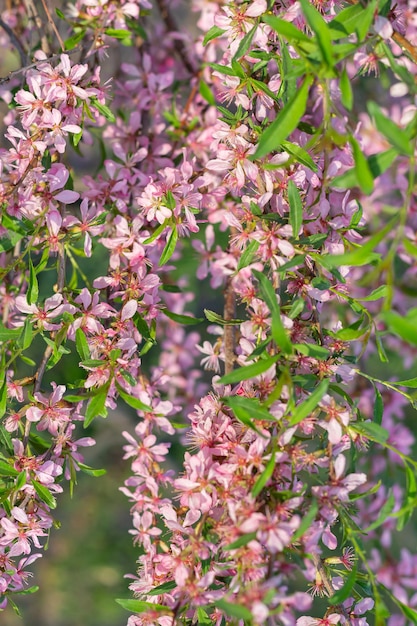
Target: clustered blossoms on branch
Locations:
point(247, 147)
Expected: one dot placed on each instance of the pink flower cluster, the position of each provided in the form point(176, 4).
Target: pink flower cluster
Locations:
point(274, 483)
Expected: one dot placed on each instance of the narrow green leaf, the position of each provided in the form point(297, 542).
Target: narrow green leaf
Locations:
point(205, 91)
point(285, 122)
point(342, 594)
point(234, 610)
point(170, 245)
point(286, 29)
point(401, 326)
point(164, 588)
point(242, 541)
point(3, 399)
point(301, 155)
point(135, 403)
point(376, 294)
point(307, 520)
point(346, 90)
point(218, 319)
point(103, 109)
point(391, 131)
point(118, 33)
point(7, 470)
point(81, 345)
point(371, 431)
point(410, 382)
point(140, 606)
point(7, 334)
point(321, 29)
point(386, 510)
point(33, 290)
point(363, 171)
point(59, 13)
point(213, 33)
point(378, 164)
point(248, 371)
point(279, 333)
point(251, 405)
point(182, 319)
point(74, 40)
point(265, 476)
point(90, 470)
point(245, 43)
point(313, 350)
point(304, 409)
point(378, 407)
point(96, 406)
point(248, 254)
point(356, 18)
point(44, 494)
point(296, 208)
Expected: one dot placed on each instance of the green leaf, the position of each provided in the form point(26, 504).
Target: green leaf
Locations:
point(97, 405)
point(44, 494)
point(307, 520)
point(410, 382)
point(248, 254)
point(218, 319)
point(245, 43)
point(296, 208)
point(285, 122)
point(140, 606)
point(25, 340)
point(301, 155)
point(409, 502)
point(378, 407)
point(170, 245)
point(362, 255)
point(182, 319)
point(8, 334)
point(304, 409)
point(342, 594)
point(346, 89)
point(135, 403)
point(401, 326)
point(286, 29)
point(265, 476)
point(371, 431)
point(321, 29)
point(248, 371)
point(234, 610)
point(242, 541)
point(59, 14)
point(213, 33)
point(164, 588)
point(3, 399)
point(7, 470)
point(90, 470)
point(352, 19)
point(391, 131)
point(74, 40)
point(203, 618)
point(386, 510)
point(81, 345)
point(33, 290)
point(363, 171)
point(118, 33)
point(378, 164)
point(103, 109)
point(313, 350)
point(376, 294)
point(205, 91)
point(279, 333)
point(251, 405)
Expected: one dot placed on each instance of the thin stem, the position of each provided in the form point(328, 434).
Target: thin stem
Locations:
point(177, 43)
point(15, 41)
point(53, 25)
point(229, 330)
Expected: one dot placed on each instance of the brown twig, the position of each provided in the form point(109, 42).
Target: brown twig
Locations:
point(53, 25)
point(22, 70)
point(229, 330)
point(321, 570)
point(15, 41)
point(178, 44)
point(34, 15)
